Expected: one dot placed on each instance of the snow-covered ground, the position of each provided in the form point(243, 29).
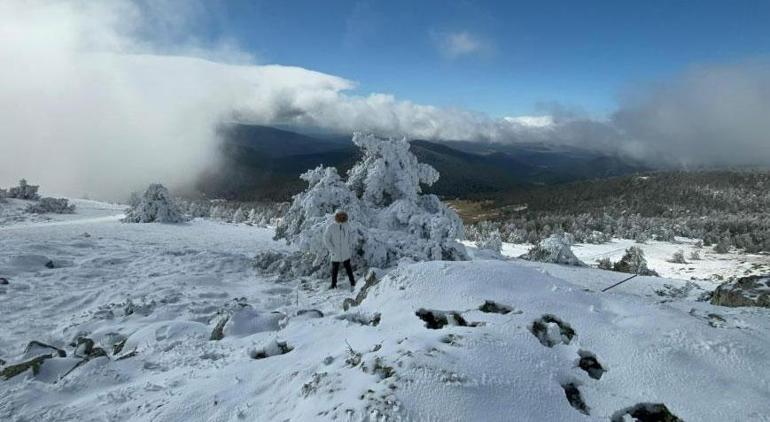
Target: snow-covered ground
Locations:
point(712, 268)
point(164, 288)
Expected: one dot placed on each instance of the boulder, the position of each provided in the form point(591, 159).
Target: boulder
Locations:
point(746, 291)
point(35, 348)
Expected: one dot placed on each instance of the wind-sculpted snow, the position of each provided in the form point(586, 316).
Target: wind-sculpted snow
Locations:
point(146, 298)
point(390, 217)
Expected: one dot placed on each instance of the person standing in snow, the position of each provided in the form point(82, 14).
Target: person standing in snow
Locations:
point(337, 239)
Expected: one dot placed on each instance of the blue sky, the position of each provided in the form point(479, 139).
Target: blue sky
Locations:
point(501, 58)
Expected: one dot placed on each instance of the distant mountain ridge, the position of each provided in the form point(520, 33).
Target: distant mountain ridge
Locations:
point(264, 163)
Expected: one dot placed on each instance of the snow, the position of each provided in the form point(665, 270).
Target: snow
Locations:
point(164, 288)
point(711, 270)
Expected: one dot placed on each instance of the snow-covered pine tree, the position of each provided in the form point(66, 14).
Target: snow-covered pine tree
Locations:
point(239, 216)
point(604, 263)
point(155, 206)
point(24, 191)
point(724, 244)
point(491, 241)
point(634, 262)
point(555, 249)
point(389, 216)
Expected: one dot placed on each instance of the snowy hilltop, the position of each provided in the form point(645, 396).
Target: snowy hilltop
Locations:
point(173, 323)
point(179, 322)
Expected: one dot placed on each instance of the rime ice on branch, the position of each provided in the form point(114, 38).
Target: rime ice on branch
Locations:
point(391, 218)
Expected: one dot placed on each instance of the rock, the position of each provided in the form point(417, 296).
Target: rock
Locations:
point(35, 348)
point(746, 291)
point(310, 313)
point(274, 348)
point(85, 349)
point(3, 281)
point(219, 330)
point(34, 364)
point(646, 412)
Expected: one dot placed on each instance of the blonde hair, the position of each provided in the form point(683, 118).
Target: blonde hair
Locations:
point(341, 217)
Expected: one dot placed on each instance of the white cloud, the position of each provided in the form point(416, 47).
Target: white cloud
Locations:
point(531, 121)
point(458, 44)
point(87, 106)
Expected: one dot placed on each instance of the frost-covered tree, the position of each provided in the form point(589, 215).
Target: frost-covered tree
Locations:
point(389, 216)
point(695, 255)
point(253, 217)
point(51, 206)
point(678, 257)
point(723, 246)
point(491, 241)
point(155, 205)
point(634, 262)
point(604, 264)
point(555, 249)
point(216, 212)
point(24, 191)
point(239, 216)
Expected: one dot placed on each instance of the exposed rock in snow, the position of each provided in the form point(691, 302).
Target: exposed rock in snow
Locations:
point(555, 249)
point(746, 291)
point(49, 205)
point(391, 220)
point(646, 412)
point(24, 191)
point(36, 348)
point(155, 206)
point(273, 348)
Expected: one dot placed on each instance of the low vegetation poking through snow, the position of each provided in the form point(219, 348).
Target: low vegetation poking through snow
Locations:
point(51, 206)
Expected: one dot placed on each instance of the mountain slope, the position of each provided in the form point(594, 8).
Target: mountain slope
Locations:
point(265, 163)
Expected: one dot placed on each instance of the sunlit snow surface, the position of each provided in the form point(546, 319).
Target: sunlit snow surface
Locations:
point(655, 341)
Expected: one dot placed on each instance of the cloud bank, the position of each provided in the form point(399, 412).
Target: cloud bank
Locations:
point(90, 102)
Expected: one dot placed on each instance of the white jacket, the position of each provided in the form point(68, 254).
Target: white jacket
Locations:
point(337, 239)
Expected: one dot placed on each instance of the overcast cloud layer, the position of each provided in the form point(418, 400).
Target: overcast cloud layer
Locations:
point(91, 102)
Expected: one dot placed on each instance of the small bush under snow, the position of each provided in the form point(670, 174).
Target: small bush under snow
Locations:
point(491, 242)
point(51, 206)
point(556, 249)
point(155, 206)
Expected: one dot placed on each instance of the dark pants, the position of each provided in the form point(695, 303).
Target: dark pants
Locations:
point(336, 270)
